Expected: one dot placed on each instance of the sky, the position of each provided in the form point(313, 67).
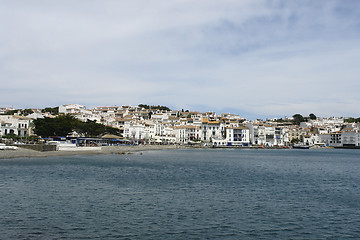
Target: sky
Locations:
point(255, 58)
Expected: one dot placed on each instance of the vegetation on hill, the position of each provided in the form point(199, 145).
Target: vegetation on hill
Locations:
point(22, 112)
point(158, 107)
point(27, 111)
point(53, 111)
point(62, 125)
point(312, 116)
point(298, 118)
point(352, 120)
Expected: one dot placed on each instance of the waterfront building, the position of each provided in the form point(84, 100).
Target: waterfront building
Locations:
point(212, 128)
point(350, 136)
point(149, 131)
point(263, 135)
point(7, 128)
point(134, 130)
point(331, 139)
point(238, 136)
point(12, 124)
point(185, 134)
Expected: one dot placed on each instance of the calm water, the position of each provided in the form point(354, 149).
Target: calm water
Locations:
point(183, 194)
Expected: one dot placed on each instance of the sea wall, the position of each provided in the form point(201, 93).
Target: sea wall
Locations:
point(39, 147)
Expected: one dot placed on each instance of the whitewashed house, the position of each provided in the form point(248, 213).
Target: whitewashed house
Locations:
point(331, 139)
point(185, 134)
point(134, 130)
point(7, 128)
point(238, 136)
point(350, 136)
point(17, 125)
point(149, 130)
point(212, 129)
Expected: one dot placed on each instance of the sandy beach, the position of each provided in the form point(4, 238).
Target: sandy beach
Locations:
point(28, 153)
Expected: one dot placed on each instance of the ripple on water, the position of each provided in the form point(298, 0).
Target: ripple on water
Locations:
point(182, 194)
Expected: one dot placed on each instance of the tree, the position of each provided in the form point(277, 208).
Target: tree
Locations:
point(144, 106)
point(23, 112)
point(59, 126)
point(158, 107)
point(54, 110)
point(298, 118)
point(11, 136)
point(62, 125)
point(352, 120)
point(312, 116)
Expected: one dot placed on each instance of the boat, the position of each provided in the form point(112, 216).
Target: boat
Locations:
point(4, 147)
point(301, 146)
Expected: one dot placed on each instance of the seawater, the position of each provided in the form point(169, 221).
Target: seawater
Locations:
point(183, 194)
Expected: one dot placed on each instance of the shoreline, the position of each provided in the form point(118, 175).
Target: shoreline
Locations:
point(28, 153)
point(127, 149)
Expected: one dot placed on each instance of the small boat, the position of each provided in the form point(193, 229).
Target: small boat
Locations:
point(301, 146)
point(4, 147)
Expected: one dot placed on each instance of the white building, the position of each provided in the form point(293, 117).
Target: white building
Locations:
point(7, 128)
point(71, 108)
point(350, 136)
point(212, 129)
point(331, 139)
point(80, 112)
point(267, 135)
point(238, 136)
point(185, 134)
point(149, 130)
point(17, 125)
point(134, 130)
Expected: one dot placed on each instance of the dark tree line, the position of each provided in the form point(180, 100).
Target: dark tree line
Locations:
point(298, 118)
point(158, 107)
point(352, 120)
point(62, 125)
point(54, 110)
point(23, 112)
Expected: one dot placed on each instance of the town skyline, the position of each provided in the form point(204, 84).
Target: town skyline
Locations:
point(159, 124)
point(264, 118)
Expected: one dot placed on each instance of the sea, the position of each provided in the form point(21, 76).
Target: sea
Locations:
point(183, 194)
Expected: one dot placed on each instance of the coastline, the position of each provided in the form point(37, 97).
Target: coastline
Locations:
point(28, 153)
point(126, 149)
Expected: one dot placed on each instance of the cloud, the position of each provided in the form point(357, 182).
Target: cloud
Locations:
point(256, 57)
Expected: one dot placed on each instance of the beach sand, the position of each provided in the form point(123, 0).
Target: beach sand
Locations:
point(28, 153)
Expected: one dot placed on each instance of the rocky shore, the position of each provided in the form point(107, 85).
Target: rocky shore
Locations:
point(28, 153)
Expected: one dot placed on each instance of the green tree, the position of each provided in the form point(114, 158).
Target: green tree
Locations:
point(164, 108)
point(12, 112)
point(59, 126)
point(62, 125)
point(11, 136)
point(298, 118)
point(352, 120)
point(23, 112)
point(312, 116)
point(53, 111)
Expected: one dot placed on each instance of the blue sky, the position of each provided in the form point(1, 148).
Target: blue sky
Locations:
point(256, 58)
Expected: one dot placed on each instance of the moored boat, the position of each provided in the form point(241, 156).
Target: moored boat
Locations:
point(4, 147)
point(301, 146)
